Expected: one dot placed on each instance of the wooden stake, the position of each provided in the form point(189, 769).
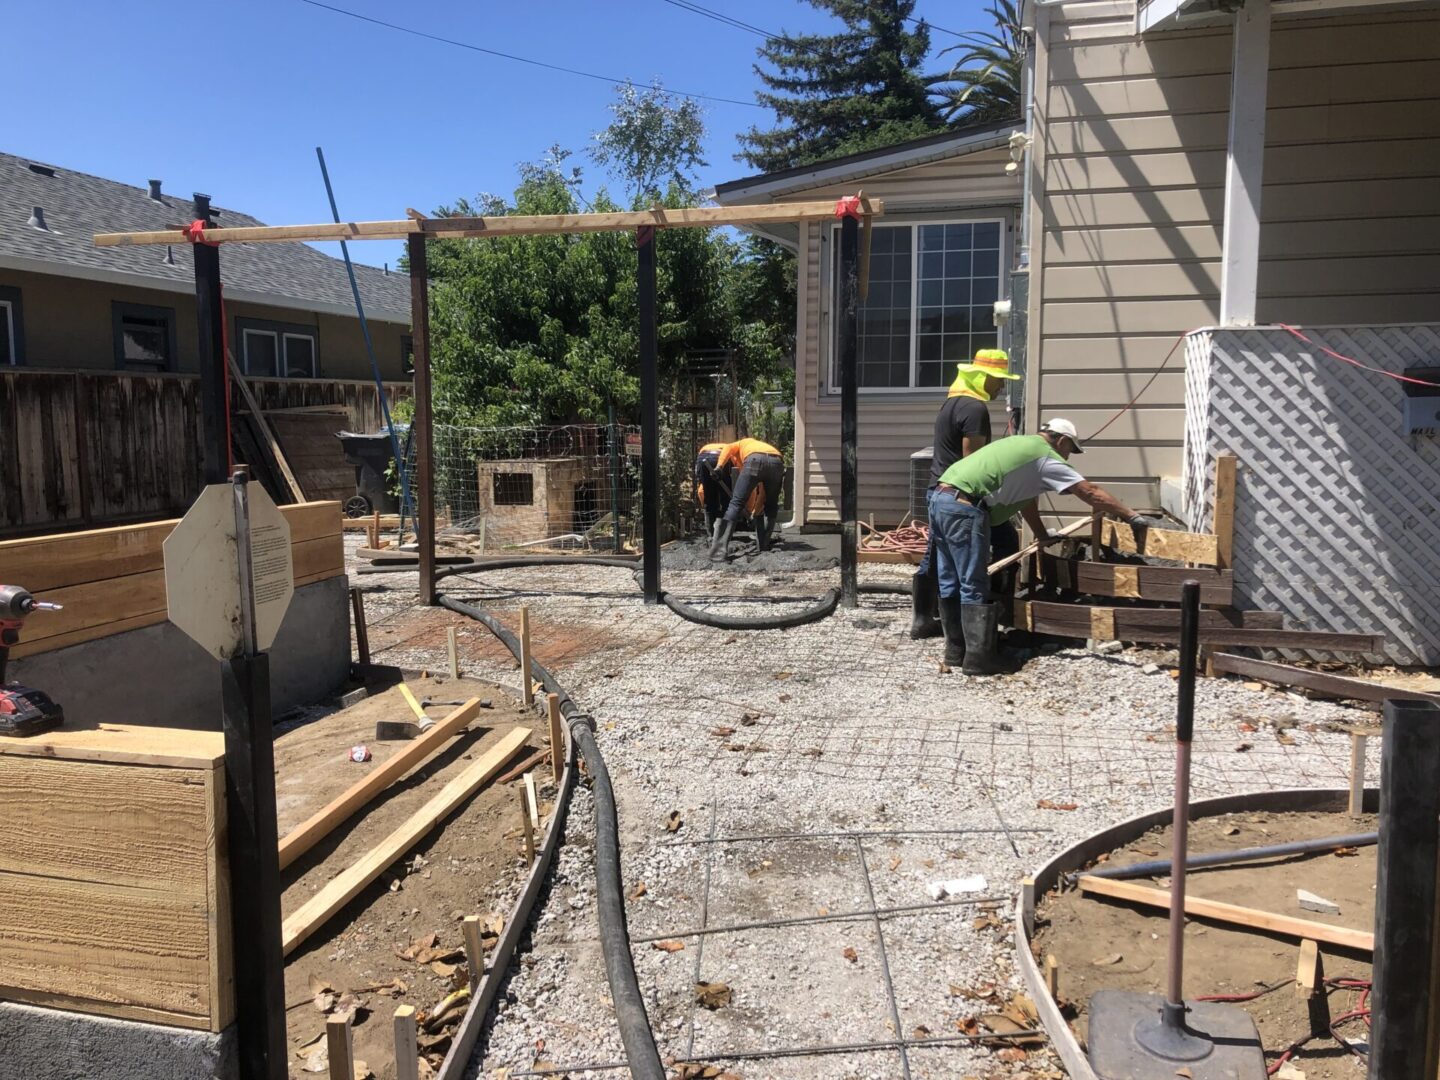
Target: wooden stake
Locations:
point(1310, 987)
point(474, 949)
point(454, 649)
point(372, 530)
point(527, 687)
point(1097, 528)
point(557, 747)
point(340, 1044)
point(526, 832)
point(407, 1051)
point(532, 800)
point(1052, 977)
point(1223, 523)
point(362, 634)
point(1357, 775)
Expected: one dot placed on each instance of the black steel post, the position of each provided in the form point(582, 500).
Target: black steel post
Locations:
point(1401, 1042)
point(615, 479)
point(214, 375)
point(649, 411)
point(422, 426)
point(1180, 828)
point(846, 349)
point(254, 867)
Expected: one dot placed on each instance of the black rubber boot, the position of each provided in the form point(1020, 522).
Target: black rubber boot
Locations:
point(951, 611)
point(720, 546)
point(762, 533)
point(924, 602)
point(709, 526)
point(981, 623)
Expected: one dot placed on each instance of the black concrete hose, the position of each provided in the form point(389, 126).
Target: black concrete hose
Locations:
point(815, 613)
point(630, 1015)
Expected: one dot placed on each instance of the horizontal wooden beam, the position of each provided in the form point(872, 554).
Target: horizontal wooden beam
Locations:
point(508, 225)
point(1170, 544)
point(1134, 580)
point(1319, 681)
point(1232, 914)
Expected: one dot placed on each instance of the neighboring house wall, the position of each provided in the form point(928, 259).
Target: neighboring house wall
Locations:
point(1128, 183)
point(892, 425)
point(69, 324)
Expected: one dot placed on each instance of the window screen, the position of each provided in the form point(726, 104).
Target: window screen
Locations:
point(514, 489)
point(261, 353)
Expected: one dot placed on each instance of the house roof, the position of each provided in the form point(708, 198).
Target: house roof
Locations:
point(961, 140)
point(77, 205)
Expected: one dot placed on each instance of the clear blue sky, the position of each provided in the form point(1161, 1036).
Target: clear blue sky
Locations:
point(137, 90)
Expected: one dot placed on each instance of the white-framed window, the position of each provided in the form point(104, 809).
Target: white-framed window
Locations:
point(278, 350)
point(144, 337)
point(933, 287)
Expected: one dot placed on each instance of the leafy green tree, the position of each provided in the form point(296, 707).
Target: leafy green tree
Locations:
point(654, 143)
point(857, 89)
point(984, 83)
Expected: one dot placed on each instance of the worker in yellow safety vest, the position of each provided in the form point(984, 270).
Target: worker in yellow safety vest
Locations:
point(756, 467)
point(710, 491)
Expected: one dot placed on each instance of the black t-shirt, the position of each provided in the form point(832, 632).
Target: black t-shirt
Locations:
point(959, 416)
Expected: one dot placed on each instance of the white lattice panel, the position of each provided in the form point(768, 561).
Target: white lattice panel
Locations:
point(1337, 514)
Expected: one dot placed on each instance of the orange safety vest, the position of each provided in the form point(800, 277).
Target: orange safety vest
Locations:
point(739, 451)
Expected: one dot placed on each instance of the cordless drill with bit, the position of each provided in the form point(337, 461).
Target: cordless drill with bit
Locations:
point(23, 711)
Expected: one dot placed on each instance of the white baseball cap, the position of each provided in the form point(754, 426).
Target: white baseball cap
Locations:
point(1064, 427)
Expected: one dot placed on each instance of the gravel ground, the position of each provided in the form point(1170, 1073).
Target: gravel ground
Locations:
point(841, 727)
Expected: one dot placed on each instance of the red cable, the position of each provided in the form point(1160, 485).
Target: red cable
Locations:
point(229, 423)
point(1351, 360)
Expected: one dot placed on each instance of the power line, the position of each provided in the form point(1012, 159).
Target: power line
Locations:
point(525, 59)
point(721, 17)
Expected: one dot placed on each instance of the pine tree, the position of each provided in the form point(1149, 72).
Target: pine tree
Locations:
point(841, 93)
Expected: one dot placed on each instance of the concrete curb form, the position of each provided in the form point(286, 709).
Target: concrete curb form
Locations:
point(47, 1044)
point(1073, 858)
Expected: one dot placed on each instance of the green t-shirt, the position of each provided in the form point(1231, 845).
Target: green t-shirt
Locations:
point(1007, 473)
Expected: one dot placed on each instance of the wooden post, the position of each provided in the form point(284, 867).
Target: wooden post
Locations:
point(425, 509)
point(557, 743)
point(527, 685)
point(1097, 534)
point(452, 646)
point(1052, 977)
point(1310, 986)
point(532, 800)
point(1404, 1007)
point(474, 949)
point(1357, 774)
point(407, 1050)
point(526, 832)
point(340, 1044)
point(1223, 521)
point(362, 634)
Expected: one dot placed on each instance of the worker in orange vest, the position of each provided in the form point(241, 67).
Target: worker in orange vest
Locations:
point(709, 488)
point(756, 467)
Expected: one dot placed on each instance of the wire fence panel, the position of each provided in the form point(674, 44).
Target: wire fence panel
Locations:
point(572, 487)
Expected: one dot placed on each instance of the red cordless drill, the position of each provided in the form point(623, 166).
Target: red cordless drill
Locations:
point(23, 711)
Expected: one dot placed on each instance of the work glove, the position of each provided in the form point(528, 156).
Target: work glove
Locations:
point(1141, 521)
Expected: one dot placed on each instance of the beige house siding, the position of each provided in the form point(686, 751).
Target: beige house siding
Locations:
point(68, 325)
point(892, 426)
point(1128, 178)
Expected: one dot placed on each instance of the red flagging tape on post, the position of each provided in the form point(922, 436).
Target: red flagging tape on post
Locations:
point(848, 206)
point(195, 233)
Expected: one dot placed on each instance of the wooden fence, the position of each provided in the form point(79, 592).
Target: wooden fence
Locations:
point(86, 448)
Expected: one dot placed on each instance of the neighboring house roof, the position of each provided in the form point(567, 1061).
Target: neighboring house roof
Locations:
point(76, 206)
point(961, 140)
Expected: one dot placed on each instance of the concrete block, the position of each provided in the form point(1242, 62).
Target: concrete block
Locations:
point(47, 1044)
point(157, 676)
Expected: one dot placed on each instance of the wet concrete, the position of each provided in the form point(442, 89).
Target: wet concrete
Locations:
point(789, 553)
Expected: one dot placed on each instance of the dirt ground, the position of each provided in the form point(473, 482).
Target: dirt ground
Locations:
point(1104, 944)
point(459, 870)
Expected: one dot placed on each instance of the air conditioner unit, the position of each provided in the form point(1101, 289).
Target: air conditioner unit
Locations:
point(920, 484)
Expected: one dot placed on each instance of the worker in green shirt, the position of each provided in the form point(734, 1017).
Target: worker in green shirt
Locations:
point(985, 488)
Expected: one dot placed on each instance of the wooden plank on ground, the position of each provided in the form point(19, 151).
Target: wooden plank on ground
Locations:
point(1170, 544)
point(1318, 681)
point(321, 823)
point(316, 911)
point(1232, 914)
point(866, 555)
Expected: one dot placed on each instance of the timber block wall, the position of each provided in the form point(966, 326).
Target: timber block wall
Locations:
point(114, 895)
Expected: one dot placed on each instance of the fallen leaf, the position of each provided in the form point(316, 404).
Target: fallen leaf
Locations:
point(895, 863)
point(1046, 804)
point(927, 862)
point(731, 639)
point(1107, 961)
point(673, 822)
point(442, 968)
point(1184, 1071)
point(1345, 852)
point(418, 945)
point(1026, 1006)
point(1285, 739)
point(494, 925)
point(712, 995)
point(749, 719)
point(812, 752)
point(782, 674)
point(1253, 686)
point(920, 1032)
point(968, 1026)
point(637, 892)
point(722, 731)
point(1247, 727)
point(850, 954)
point(822, 911)
point(429, 956)
point(668, 946)
point(1244, 746)
point(1012, 1054)
point(325, 1001)
point(986, 922)
point(783, 698)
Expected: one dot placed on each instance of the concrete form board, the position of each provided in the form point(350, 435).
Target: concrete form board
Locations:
point(157, 676)
point(46, 1044)
point(1337, 511)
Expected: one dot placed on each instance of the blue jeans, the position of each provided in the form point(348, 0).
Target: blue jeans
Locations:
point(962, 548)
point(929, 557)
